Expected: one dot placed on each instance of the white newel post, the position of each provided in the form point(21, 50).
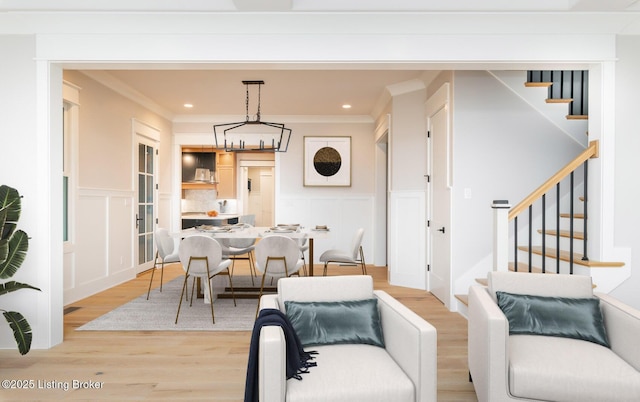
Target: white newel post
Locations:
point(500, 235)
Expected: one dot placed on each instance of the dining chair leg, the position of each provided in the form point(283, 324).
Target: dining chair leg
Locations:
point(193, 287)
point(325, 269)
point(264, 274)
point(161, 275)
point(364, 266)
point(233, 264)
point(213, 318)
point(304, 264)
point(184, 288)
point(231, 286)
point(266, 267)
point(252, 267)
point(155, 264)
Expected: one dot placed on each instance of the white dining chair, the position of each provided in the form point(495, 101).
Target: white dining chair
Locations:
point(201, 257)
point(235, 248)
point(303, 244)
point(277, 257)
point(166, 251)
point(355, 255)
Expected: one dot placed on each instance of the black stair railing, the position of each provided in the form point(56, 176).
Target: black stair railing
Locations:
point(565, 85)
point(536, 204)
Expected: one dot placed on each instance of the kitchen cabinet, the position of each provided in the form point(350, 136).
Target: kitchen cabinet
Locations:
point(193, 161)
point(226, 169)
point(223, 163)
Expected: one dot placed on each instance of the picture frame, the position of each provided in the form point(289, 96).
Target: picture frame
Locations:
point(327, 161)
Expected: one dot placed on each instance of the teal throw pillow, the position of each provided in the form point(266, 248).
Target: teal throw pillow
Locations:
point(343, 322)
point(578, 318)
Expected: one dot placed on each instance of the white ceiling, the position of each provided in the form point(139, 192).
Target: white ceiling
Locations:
point(285, 92)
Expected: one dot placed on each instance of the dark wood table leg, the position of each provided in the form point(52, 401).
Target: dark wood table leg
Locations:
point(311, 256)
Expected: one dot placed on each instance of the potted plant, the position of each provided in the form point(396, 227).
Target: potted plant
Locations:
point(13, 250)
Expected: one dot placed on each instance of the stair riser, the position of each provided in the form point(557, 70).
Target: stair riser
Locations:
point(565, 243)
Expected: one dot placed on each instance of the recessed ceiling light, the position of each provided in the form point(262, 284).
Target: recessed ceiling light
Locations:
point(188, 105)
point(346, 106)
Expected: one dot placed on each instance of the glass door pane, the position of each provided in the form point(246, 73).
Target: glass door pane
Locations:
point(146, 204)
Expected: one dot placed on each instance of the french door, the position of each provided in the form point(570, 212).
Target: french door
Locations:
point(146, 190)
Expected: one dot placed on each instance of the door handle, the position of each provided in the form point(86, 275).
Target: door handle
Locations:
point(441, 230)
point(138, 220)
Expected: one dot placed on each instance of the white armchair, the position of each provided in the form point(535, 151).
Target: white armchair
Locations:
point(521, 367)
point(404, 370)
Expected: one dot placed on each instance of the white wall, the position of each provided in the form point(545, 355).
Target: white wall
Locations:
point(342, 209)
point(19, 165)
point(627, 162)
point(103, 237)
point(503, 149)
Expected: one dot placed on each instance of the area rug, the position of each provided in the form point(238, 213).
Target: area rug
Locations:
point(159, 313)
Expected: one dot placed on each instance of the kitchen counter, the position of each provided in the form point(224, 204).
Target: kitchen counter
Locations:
point(203, 215)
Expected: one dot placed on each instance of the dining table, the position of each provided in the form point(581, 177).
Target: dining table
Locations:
point(243, 231)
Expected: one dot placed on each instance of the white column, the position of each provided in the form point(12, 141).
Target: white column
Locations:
point(500, 235)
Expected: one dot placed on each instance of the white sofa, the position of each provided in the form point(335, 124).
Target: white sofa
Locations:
point(506, 367)
point(405, 370)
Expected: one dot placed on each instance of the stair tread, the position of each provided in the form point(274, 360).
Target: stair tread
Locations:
point(483, 281)
point(575, 216)
point(538, 84)
point(559, 100)
point(577, 117)
point(564, 233)
point(577, 257)
point(464, 299)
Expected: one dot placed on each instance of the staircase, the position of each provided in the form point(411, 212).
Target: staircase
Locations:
point(565, 87)
point(548, 230)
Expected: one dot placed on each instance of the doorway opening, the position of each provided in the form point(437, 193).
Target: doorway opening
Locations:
point(257, 191)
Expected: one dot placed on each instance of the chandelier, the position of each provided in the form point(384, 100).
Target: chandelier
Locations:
point(252, 135)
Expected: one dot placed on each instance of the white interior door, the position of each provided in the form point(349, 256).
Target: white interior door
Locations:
point(440, 211)
point(146, 194)
point(258, 191)
point(267, 185)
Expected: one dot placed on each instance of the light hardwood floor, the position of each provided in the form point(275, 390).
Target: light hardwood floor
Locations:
point(190, 366)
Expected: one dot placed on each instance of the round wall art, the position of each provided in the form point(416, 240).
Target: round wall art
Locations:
point(327, 161)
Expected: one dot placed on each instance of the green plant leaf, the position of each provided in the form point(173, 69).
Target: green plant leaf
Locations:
point(4, 250)
point(21, 330)
point(3, 220)
point(10, 200)
point(12, 286)
point(18, 246)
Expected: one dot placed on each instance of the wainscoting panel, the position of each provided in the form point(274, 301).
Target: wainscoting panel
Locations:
point(343, 216)
point(120, 240)
point(100, 253)
point(91, 240)
point(407, 239)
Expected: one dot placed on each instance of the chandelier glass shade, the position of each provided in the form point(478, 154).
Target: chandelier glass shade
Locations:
point(252, 135)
